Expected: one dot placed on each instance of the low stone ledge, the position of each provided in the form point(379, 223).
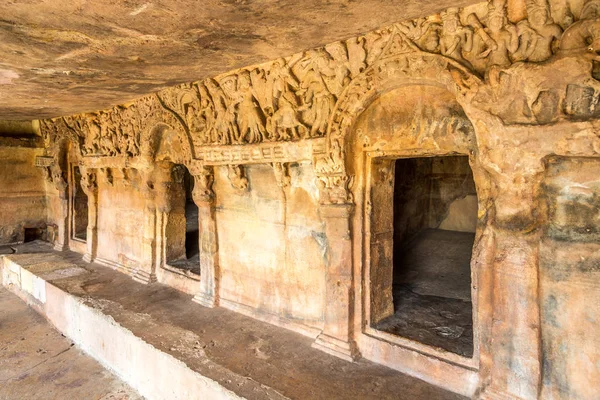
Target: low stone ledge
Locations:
point(168, 347)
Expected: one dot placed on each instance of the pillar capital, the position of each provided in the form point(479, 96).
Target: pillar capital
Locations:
point(89, 182)
point(203, 193)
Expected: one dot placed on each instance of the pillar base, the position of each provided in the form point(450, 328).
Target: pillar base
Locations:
point(143, 277)
point(61, 247)
point(206, 300)
point(495, 394)
point(88, 258)
point(336, 347)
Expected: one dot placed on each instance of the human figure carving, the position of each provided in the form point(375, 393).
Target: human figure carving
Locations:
point(58, 178)
point(340, 65)
point(375, 43)
point(282, 174)
point(424, 32)
point(282, 103)
point(455, 37)
point(503, 34)
point(284, 124)
point(584, 35)
point(131, 145)
point(206, 116)
point(318, 102)
point(92, 139)
point(537, 34)
point(279, 81)
point(356, 55)
point(249, 115)
point(88, 182)
point(225, 127)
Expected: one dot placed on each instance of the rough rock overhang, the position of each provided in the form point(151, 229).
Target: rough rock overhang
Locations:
point(66, 57)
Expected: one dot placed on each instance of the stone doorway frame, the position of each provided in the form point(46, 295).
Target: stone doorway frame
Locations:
point(374, 271)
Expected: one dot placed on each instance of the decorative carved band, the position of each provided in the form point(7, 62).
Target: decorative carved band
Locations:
point(524, 62)
point(261, 153)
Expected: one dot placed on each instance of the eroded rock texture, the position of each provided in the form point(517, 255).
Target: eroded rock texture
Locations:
point(109, 52)
point(294, 170)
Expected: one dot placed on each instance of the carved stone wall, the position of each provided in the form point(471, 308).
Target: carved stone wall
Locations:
point(22, 194)
point(120, 217)
point(490, 49)
point(271, 244)
point(569, 272)
point(285, 227)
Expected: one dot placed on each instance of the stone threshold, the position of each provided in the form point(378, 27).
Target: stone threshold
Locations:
point(168, 347)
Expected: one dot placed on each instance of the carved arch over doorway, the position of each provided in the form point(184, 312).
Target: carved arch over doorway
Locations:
point(164, 140)
point(392, 70)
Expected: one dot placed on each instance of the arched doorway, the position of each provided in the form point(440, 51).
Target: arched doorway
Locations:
point(410, 152)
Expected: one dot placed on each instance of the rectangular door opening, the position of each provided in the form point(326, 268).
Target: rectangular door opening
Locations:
point(183, 231)
point(434, 219)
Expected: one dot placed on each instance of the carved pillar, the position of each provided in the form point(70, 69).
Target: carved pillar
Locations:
point(210, 274)
point(147, 271)
point(336, 210)
point(58, 178)
point(336, 338)
point(170, 214)
point(89, 186)
point(515, 353)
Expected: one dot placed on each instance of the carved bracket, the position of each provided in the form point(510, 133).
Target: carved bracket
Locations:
point(237, 177)
point(282, 174)
point(203, 181)
point(88, 183)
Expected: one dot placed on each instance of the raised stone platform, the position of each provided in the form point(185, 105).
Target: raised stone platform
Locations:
point(168, 347)
point(37, 362)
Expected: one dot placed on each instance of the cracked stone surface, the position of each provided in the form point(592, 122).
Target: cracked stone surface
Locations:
point(62, 57)
point(37, 362)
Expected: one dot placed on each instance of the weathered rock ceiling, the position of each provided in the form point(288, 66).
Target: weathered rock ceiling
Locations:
point(61, 57)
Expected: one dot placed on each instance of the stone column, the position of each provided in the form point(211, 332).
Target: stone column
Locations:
point(147, 271)
point(515, 353)
point(58, 178)
point(161, 184)
point(89, 184)
point(210, 274)
point(336, 208)
point(336, 338)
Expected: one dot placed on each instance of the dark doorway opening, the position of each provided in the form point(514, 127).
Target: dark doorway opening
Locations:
point(192, 228)
point(33, 234)
point(190, 261)
point(435, 213)
point(80, 207)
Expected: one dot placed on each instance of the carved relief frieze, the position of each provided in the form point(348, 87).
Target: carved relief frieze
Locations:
point(262, 153)
point(525, 62)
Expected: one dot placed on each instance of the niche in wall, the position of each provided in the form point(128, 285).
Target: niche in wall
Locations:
point(430, 210)
point(34, 233)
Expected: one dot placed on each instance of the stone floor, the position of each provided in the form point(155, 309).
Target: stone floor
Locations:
point(37, 362)
point(432, 292)
point(253, 359)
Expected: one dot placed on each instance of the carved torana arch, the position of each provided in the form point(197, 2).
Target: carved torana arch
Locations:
point(394, 69)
